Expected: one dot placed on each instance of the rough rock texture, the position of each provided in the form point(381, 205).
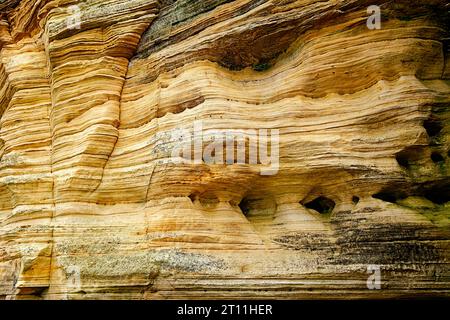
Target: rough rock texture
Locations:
point(91, 208)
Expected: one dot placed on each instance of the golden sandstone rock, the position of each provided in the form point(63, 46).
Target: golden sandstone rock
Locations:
point(132, 140)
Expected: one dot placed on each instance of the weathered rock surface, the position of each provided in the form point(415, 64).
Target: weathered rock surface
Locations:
point(91, 206)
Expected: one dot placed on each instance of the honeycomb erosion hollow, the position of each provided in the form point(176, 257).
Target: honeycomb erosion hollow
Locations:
point(91, 93)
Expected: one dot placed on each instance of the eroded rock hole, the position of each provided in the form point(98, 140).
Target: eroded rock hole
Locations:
point(437, 157)
point(402, 160)
point(391, 196)
point(209, 201)
point(245, 206)
point(439, 193)
point(355, 200)
point(410, 156)
point(433, 126)
point(323, 205)
point(385, 197)
point(193, 196)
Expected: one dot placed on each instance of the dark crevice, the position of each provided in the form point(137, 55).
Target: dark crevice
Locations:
point(410, 156)
point(438, 193)
point(436, 157)
point(193, 197)
point(385, 197)
point(402, 160)
point(244, 205)
point(389, 195)
point(433, 126)
point(322, 204)
point(355, 199)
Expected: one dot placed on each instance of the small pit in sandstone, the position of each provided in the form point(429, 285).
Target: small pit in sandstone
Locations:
point(391, 196)
point(402, 160)
point(209, 201)
point(193, 196)
point(436, 157)
point(322, 204)
point(410, 156)
point(355, 200)
point(433, 126)
point(244, 205)
point(439, 193)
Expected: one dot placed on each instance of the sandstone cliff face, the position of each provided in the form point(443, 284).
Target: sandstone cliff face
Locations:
point(92, 91)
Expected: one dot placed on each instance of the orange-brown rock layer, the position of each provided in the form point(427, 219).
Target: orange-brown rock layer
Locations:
point(92, 91)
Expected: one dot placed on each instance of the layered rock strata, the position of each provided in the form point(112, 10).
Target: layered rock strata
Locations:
point(93, 92)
